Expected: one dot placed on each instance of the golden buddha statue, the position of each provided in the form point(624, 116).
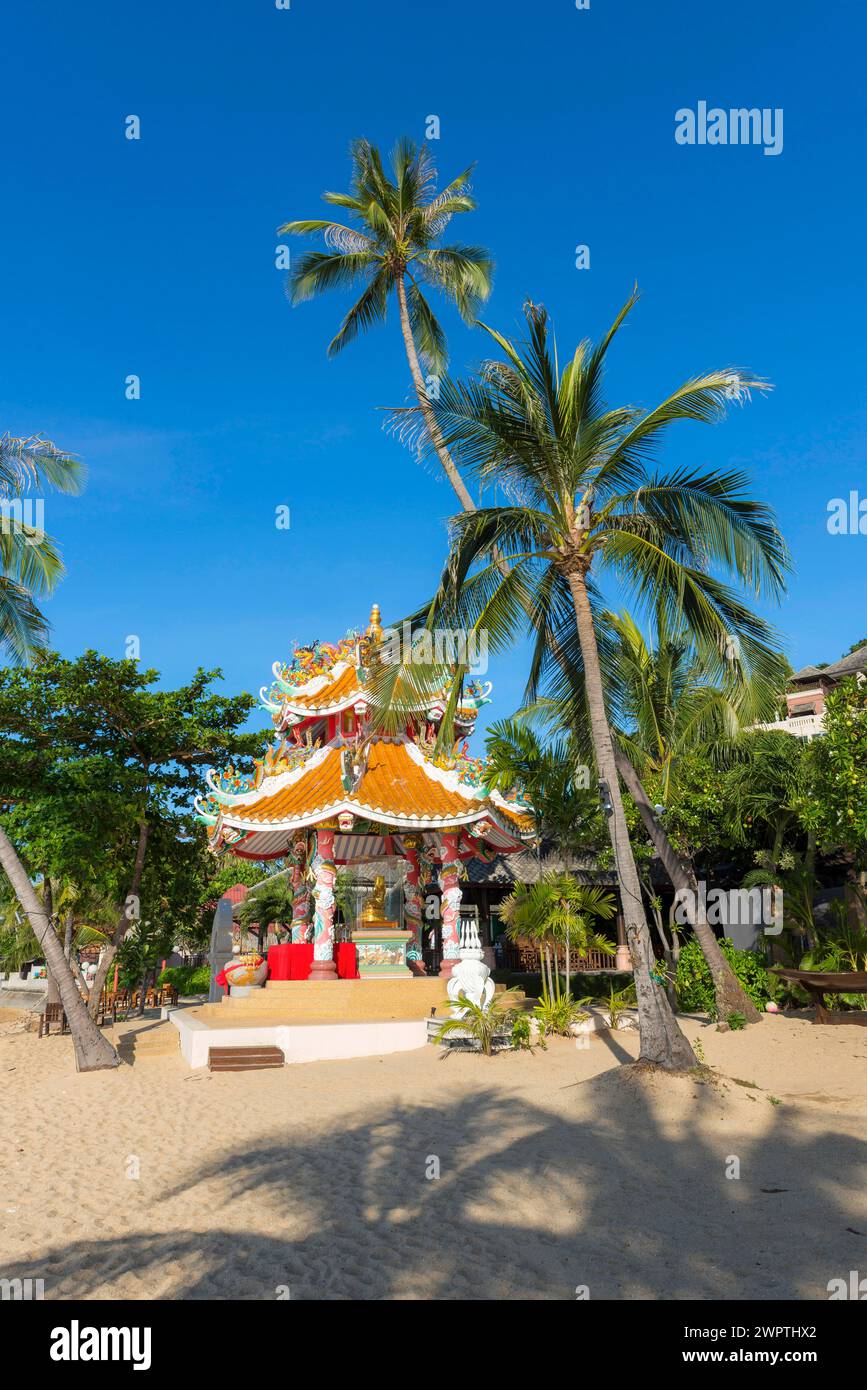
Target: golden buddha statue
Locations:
point(374, 908)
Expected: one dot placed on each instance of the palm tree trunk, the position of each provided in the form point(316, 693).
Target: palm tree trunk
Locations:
point(433, 429)
point(93, 1051)
point(123, 924)
point(729, 997)
point(568, 966)
point(663, 1043)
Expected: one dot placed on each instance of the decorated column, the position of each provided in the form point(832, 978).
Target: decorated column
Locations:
point(412, 910)
point(325, 877)
point(451, 902)
point(300, 889)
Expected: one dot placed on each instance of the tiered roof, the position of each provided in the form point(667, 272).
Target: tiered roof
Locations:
point(369, 786)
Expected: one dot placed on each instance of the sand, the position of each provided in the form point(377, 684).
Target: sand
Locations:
point(426, 1175)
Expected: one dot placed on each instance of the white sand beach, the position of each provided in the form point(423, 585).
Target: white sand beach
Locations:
point(557, 1170)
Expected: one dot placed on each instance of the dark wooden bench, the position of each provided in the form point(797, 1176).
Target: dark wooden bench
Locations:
point(818, 983)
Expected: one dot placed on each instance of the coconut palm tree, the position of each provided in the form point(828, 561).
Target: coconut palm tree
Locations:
point(585, 502)
point(394, 245)
point(30, 563)
point(558, 910)
point(667, 701)
point(552, 776)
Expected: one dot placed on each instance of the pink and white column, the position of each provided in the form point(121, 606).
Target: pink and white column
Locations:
point(300, 891)
point(325, 871)
point(412, 911)
point(450, 934)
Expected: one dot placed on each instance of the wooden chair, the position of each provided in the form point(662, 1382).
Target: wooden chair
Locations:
point(53, 1014)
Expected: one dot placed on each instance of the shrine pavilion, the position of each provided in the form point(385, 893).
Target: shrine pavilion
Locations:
point(333, 792)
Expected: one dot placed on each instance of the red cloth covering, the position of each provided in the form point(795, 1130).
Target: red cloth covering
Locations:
point(295, 961)
point(347, 962)
point(279, 962)
point(301, 961)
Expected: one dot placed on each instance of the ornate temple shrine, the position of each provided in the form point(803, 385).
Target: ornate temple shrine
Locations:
point(332, 793)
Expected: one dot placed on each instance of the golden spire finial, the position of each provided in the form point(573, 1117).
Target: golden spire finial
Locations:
point(374, 630)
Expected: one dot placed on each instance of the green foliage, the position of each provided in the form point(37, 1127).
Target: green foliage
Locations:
point(92, 751)
point(397, 218)
point(736, 1021)
point(618, 1002)
point(553, 779)
point(521, 1033)
point(233, 871)
point(835, 806)
point(558, 1015)
point(481, 1026)
point(271, 902)
point(187, 979)
point(694, 985)
point(30, 563)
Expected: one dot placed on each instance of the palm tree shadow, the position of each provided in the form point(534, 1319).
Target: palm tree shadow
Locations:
point(488, 1197)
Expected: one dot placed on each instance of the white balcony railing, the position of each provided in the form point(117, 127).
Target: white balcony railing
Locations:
point(801, 725)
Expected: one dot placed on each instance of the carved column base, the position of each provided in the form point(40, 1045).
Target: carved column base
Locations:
point(323, 970)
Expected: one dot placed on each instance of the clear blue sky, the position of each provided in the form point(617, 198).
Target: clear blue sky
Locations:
point(157, 258)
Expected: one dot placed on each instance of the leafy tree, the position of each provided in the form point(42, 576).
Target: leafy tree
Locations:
point(835, 804)
point(395, 246)
point(98, 766)
point(30, 563)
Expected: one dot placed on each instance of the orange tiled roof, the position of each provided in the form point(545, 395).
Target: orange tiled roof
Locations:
point(393, 785)
point(336, 692)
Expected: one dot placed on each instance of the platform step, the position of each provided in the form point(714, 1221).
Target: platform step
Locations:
point(244, 1058)
point(164, 1041)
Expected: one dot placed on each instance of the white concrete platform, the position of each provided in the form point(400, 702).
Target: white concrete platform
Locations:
point(301, 1042)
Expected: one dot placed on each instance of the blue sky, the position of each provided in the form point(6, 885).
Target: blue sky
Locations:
point(156, 257)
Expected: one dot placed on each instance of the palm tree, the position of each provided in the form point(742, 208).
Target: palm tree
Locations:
point(30, 563)
point(395, 246)
point(269, 901)
point(585, 502)
point(668, 700)
point(553, 778)
point(553, 911)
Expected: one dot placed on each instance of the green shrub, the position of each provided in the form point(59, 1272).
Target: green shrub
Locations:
point(693, 981)
point(187, 979)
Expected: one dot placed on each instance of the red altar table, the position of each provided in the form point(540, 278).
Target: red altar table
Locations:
point(294, 961)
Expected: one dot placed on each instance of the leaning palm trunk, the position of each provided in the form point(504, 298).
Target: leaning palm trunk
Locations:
point(729, 996)
point(93, 1051)
point(433, 429)
point(662, 1042)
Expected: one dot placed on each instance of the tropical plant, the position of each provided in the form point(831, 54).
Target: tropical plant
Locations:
point(584, 501)
point(553, 780)
point(556, 1016)
point(30, 564)
point(618, 1003)
point(394, 245)
point(694, 985)
point(557, 909)
point(269, 901)
point(481, 1025)
point(521, 1035)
